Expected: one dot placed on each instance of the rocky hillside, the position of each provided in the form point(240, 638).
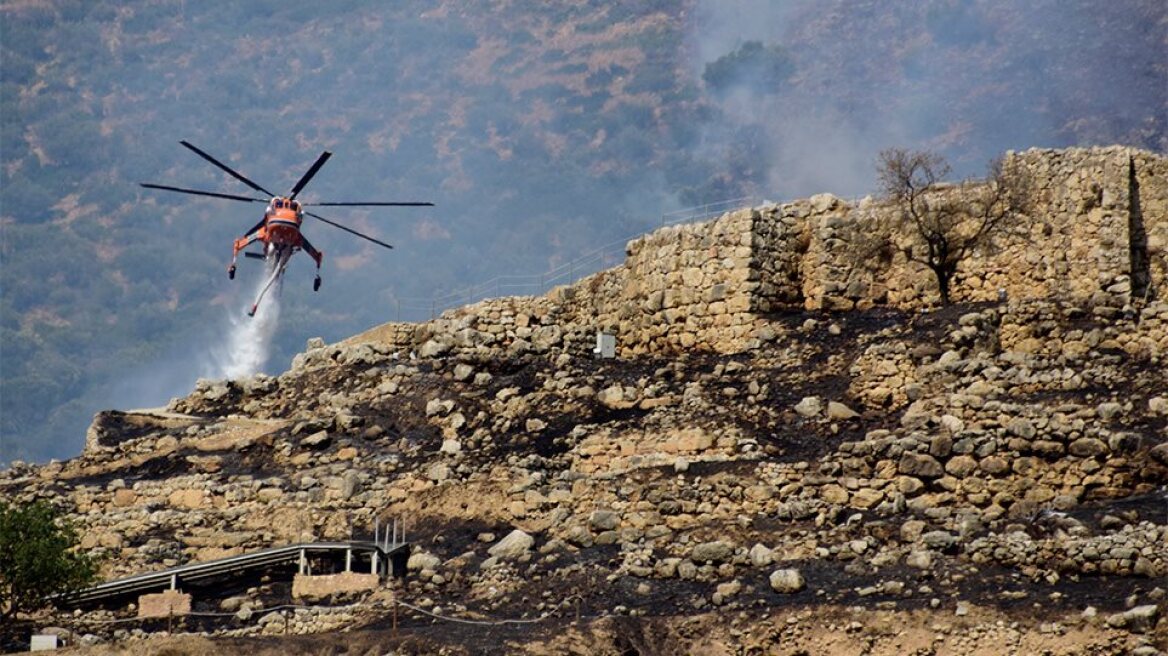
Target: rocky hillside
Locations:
point(984, 478)
point(542, 131)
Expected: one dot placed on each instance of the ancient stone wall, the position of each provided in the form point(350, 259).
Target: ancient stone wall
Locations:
point(1076, 242)
point(512, 322)
point(780, 239)
point(1149, 211)
point(834, 276)
point(683, 286)
point(680, 287)
point(1097, 233)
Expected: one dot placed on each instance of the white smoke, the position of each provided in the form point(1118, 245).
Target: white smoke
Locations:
point(249, 339)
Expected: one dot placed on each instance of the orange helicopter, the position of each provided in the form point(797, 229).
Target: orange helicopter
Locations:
point(279, 230)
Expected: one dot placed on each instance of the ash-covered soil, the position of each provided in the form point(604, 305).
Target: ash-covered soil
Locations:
point(878, 482)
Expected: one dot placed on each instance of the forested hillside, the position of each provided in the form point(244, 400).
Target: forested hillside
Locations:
point(540, 130)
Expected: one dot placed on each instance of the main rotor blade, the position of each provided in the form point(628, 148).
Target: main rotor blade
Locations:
point(311, 172)
point(230, 171)
point(256, 227)
point(349, 230)
point(197, 192)
point(371, 204)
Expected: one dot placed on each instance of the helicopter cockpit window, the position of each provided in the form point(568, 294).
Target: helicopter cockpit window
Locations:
point(279, 204)
point(295, 206)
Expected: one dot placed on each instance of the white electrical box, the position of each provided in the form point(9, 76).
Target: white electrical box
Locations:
point(43, 642)
point(605, 345)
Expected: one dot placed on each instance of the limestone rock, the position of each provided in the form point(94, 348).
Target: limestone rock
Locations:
point(1087, 447)
point(1139, 619)
point(317, 440)
point(809, 407)
point(514, 545)
point(422, 560)
point(787, 581)
point(614, 397)
point(717, 551)
point(432, 349)
point(604, 520)
point(1108, 411)
point(920, 465)
point(919, 559)
point(839, 411)
point(1021, 427)
point(463, 371)
point(761, 556)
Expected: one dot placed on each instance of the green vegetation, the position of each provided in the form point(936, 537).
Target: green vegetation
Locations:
point(38, 558)
point(753, 66)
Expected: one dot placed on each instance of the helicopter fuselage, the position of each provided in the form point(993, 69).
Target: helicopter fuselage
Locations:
point(282, 222)
point(279, 230)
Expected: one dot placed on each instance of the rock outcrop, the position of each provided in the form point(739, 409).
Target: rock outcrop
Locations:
point(749, 453)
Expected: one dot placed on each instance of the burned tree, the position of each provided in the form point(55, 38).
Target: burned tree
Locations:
point(945, 223)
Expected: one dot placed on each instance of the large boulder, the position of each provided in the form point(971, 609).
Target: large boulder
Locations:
point(787, 581)
point(717, 551)
point(515, 545)
point(839, 411)
point(761, 555)
point(422, 560)
point(809, 407)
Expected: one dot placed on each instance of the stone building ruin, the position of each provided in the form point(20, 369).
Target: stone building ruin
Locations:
point(1097, 235)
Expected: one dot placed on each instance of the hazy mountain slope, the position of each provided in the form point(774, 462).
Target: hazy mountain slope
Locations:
point(539, 129)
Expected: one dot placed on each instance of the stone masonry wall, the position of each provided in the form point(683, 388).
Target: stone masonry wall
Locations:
point(1151, 208)
point(1075, 244)
point(1097, 233)
point(685, 286)
point(1090, 205)
point(680, 287)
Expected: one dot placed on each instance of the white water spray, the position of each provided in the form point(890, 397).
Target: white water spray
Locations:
point(249, 339)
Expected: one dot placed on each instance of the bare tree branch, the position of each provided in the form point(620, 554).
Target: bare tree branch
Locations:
point(947, 222)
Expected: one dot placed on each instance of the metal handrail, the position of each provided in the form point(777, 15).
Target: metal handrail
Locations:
point(220, 566)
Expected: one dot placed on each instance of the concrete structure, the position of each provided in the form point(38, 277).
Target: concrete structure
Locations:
point(43, 642)
point(382, 556)
point(308, 586)
point(168, 603)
